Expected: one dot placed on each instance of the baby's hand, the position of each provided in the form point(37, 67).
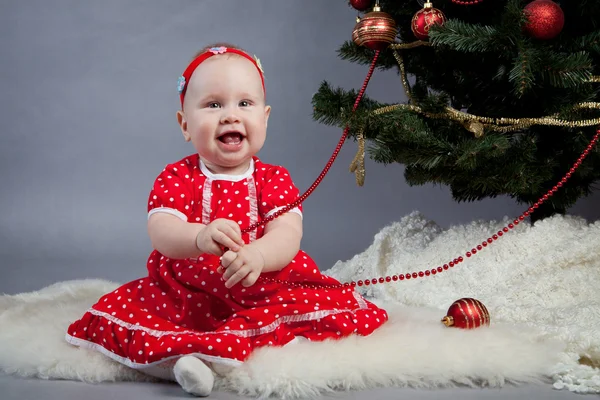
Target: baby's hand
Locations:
point(218, 234)
point(244, 265)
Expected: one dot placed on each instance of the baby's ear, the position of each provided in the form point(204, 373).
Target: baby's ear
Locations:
point(183, 125)
point(267, 113)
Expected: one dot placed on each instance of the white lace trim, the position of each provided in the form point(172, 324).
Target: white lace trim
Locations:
point(226, 177)
point(287, 319)
point(138, 327)
point(168, 210)
point(294, 210)
point(241, 333)
point(253, 206)
point(206, 200)
point(361, 301)
point(142, 366)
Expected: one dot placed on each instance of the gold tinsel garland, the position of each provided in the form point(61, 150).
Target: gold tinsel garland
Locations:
point(358, 163)
point(497, 124)
point(473, 123)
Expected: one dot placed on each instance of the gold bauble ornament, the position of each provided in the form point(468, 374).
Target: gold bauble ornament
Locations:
point(376, 30)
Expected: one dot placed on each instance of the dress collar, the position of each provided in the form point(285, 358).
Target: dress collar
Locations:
point(227, 177)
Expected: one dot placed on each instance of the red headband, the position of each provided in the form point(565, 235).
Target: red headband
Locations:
point(187, 74)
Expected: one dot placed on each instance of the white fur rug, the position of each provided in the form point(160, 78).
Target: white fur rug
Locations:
point(539, 284)
point(545, 276)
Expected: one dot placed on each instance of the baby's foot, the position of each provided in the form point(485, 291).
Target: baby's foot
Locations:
point(194, 376)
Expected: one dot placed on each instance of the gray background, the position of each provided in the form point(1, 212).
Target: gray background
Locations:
point(87, 121)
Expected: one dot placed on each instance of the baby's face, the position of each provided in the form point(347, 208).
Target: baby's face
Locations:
point(224, 115)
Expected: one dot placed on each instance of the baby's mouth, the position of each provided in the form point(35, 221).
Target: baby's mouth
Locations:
point(231, 138)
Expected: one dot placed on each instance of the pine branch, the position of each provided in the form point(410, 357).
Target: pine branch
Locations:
point(364, 56)
point(434, 103)
point(567, 70)
point(464, 37)
point(474, 154)
point(512, 20)
point(349, 51)
point(589, 42)
point(460, 36)
point(521, 73)
point(334, 106)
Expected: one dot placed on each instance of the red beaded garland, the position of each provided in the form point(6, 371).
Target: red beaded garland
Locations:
point(418, 274)
point(473, 251)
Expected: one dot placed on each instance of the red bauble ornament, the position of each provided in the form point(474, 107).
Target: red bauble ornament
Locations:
point(424, 19)
point(376, 30)
point(545, 19)
point(467, 313)
point(360, 5)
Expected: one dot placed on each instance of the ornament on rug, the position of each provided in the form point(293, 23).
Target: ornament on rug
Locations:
point(467, 313)
point(545, 19)
point(376, 30)
point(360, 5)
point(424, 19)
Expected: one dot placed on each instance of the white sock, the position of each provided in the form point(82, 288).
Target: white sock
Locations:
point(194, 376)
point(221, 369)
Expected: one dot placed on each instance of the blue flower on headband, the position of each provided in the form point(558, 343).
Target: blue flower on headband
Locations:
point(180, 84)
point(218, 50)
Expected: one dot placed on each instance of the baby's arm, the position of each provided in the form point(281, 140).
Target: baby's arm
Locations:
point(173, 237)
point(280, 242)
point(179, 239)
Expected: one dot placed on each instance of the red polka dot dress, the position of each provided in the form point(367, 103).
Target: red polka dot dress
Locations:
point(183, 307)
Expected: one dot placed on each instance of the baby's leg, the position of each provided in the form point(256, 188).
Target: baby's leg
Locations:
point(194, 376)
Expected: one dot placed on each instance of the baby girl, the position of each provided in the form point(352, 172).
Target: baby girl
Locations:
point(213, 294)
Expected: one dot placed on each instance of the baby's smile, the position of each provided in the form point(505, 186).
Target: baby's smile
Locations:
point(231, 137)
point(231, 140)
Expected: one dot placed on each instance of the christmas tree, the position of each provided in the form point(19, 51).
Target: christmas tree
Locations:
point(501, 97)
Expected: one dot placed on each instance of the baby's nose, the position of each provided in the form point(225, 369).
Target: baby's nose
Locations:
point(229, 117)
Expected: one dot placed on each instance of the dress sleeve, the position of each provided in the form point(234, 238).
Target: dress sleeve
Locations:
point(172, 192)
point(278, 191)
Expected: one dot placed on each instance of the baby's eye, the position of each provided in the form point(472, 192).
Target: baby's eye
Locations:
point(213, 104)
point(244, 103)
